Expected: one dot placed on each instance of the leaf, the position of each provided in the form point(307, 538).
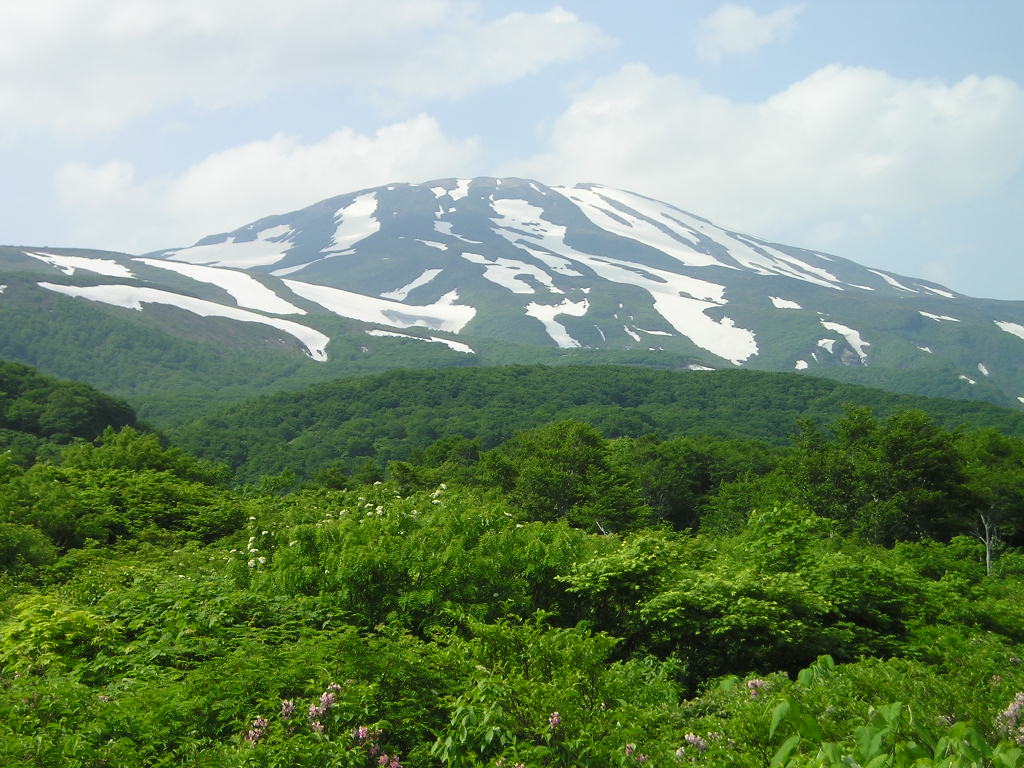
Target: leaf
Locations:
point(728, 684)
point(869, 741)
point(1009, 758)
point(780, 712)
point(832, 752)
point(890, 712)
point(785, 751)
point(808, 727)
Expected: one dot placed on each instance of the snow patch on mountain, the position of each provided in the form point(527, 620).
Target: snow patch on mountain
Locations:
point(547, 313)
point(297, 268)
point(983, 369)
point(1015, 328)
point(461, 189)
point(968, 379)
point(647, 227)
point(784, 303)
point(68, 264)
point(554, 263)
point(246, 290)
point(892, 281)
point(939, 292)
point(508, 273)
point(433, 244)
point(938, 317)
point(356, 221)
point(425, 277)
point(654, 333)
point(801, 365)
point(827, 344)
point(458, 346)
point(757, 257)
point(926, 349)
point(853, 338)
point(442, 315)
point(445, 228)
point(270, 246)
point(133, 297)
point(789, 263)
point(518, 219)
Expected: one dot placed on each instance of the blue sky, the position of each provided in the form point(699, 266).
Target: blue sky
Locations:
point(890, 133)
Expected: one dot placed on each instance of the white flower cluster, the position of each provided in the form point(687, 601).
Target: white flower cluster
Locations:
point(252, 550)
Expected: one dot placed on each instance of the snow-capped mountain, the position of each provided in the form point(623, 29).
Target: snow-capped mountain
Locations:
point(465, 263)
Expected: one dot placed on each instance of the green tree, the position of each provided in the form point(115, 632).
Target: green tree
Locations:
point(563, 471)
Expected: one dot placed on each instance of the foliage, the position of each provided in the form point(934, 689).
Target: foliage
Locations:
point(38, 413)
point(559, 599)
point(390, 417)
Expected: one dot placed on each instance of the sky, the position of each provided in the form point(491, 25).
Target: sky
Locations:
point(889, 132)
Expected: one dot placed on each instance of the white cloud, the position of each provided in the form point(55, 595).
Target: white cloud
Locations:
point(83, 66)
point(471, 56)
point(841, 147)
point(107, 207)
point(737, 29)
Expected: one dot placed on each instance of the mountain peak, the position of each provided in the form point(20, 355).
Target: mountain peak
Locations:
point(514, 261)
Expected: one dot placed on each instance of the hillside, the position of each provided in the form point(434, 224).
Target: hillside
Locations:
point(389, 416)
point(39, 413)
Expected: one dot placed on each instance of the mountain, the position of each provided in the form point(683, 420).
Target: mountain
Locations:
point(472, 271)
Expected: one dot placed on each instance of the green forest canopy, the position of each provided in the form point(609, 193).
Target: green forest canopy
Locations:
point(388, 417)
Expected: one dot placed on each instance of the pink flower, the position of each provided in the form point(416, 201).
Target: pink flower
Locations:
point(317, 726)
point(696, 741)
point(258, 730)
point(1010, 720)
point(554, 720)
point(756, 687)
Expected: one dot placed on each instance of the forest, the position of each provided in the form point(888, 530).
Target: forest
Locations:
point(343, 424)
point(556, 593)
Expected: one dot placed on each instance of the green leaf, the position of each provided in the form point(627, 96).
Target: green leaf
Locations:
point(890, 712)
point(808, 727)
point(780, 713)
point(785, 751)
point(869, 741)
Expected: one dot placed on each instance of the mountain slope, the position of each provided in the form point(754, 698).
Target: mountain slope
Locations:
point(38, 413)
point(388, 416)
point(512, 270)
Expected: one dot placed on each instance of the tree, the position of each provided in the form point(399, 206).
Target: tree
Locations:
point(562, 470)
